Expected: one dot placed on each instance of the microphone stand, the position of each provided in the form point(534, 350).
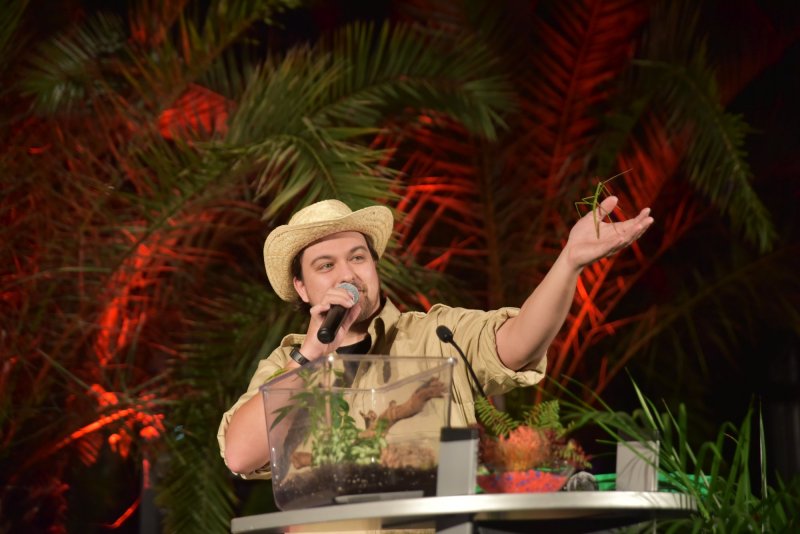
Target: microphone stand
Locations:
point(446, 335)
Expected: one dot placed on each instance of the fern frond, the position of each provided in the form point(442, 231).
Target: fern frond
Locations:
point(545, 415)
point(496, 422)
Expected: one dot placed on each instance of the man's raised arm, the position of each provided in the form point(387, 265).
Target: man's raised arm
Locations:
point(523, 340)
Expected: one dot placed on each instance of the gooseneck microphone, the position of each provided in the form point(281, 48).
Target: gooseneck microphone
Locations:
point(446, 335)
point(334, 317)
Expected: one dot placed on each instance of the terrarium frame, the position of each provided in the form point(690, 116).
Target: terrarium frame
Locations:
point(349, 425)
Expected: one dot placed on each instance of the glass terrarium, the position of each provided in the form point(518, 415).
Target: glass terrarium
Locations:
point(349, 428)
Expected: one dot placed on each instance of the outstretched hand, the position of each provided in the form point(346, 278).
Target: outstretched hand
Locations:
point(585, 245)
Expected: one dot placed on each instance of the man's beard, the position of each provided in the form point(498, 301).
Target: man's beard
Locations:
point(367, 309)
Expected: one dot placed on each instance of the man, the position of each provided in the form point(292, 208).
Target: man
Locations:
point(326, 244)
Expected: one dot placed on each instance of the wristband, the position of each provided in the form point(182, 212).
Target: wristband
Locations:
point(298, 357)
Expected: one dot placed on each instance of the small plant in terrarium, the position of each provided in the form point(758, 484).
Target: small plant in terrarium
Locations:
point(531, 454)
point(334, 435)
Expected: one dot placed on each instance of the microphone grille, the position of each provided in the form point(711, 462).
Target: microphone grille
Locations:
point(353, 290)
point(444, 333)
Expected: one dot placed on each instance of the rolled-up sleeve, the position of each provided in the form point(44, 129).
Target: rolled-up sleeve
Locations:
point(266, 370)
point(476, 333)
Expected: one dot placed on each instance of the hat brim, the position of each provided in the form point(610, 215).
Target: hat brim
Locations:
point(285, 242)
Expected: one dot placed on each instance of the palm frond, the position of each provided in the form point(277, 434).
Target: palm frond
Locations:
point(399, 66)
point(228, 75)
point(725, 304)
point(681, 85)
point(161, 68)
point(72, 69)
point(579, 52)
point(331, 100)
point(225, 349)
point(195, 491)
point(459, 214)
point(278, 138)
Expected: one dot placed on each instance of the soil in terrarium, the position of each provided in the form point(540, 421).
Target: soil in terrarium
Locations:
point(321, 485)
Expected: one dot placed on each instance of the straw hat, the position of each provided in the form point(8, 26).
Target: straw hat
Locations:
point(311, 224)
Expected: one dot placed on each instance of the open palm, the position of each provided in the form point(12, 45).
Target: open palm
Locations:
point(592, 238)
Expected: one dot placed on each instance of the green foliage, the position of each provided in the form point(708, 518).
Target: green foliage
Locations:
point(308, 115)
point(337, 440)
point(68, 72)
point(716, 473)
point(227, 321)
point(542, 416)
point(132, 258)
point(332, 431)
point(497, 423)
point(194, 475)
point(545, 415)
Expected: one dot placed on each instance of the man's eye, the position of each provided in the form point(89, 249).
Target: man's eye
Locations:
point(325, 267)
point(358, 258)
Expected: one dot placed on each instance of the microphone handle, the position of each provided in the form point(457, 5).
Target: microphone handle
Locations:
point(330, 325)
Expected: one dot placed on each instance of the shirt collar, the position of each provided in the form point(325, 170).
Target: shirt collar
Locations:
point(384, 323)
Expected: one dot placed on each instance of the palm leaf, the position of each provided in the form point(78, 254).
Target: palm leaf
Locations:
point(328, 101)
point(675, 81)
point(725, 302)
point(133, 245)
point(400, 66)
point(208, 375)
point(71, 70)
point(196, 492)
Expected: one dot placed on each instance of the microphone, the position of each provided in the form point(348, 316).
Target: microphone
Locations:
point(333, 319)
point(446, 335)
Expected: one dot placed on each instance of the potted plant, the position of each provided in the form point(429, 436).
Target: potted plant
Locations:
point(531, 454)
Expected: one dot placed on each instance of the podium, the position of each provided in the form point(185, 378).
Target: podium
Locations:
point(576, 511)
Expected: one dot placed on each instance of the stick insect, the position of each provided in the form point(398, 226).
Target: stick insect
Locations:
point(593, 201)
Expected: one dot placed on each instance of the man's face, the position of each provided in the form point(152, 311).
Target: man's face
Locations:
point(337, 258)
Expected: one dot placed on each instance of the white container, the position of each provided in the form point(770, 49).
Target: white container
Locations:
point(637, 466)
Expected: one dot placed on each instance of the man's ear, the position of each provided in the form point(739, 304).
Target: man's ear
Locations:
point(300, 287)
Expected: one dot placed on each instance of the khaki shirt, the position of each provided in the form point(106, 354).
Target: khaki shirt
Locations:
point(414, 334)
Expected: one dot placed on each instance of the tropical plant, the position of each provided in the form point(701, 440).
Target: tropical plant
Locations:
point(610, 87)
point(149, 146)
point(607, 87)
point(147, 153)
point(538, 440)
point(717, 474)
